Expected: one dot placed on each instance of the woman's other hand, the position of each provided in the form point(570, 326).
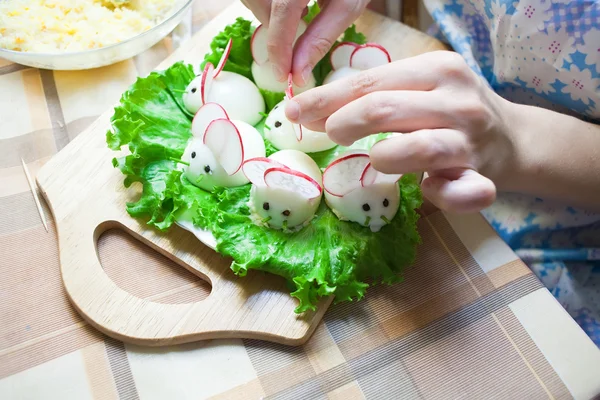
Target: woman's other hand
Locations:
point(283, 17)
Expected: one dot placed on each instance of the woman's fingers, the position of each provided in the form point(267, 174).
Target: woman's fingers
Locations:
point(321, 34)
point(424, 150)
point(317, 126)
point(419, 73)
point(459, 190)
point(389, 111)
point(452, 185)
point(283, 24)
point(260, 8)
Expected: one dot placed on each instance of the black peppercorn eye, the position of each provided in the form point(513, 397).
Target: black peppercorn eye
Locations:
point(207, 169)
point(386, 202)
point(193, 154)
point(194, 90)
point(366, 207)
point(266, 206)
point(286, 213)
point(277, 124)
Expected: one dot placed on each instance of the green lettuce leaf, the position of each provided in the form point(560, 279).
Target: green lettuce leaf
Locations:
point(313, 10)
point(240, 57)
point(269, 148)
point(327, 257)
point(164, 195)
point(151, 121)
point(271, 98)
point(351, 35)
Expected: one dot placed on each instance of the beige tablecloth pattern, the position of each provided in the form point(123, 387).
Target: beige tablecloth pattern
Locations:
point(470, 320)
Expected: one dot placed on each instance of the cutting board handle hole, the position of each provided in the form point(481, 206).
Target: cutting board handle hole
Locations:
point(144, 272)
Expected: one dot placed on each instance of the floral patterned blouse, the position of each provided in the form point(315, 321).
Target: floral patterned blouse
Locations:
point(547, 54)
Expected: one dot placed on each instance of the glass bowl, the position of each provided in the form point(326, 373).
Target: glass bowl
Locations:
point(103, 56)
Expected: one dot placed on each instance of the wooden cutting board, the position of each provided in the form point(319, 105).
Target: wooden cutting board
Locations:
point(87, 197)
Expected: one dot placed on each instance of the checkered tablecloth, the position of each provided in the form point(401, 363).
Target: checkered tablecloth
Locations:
point(470, 321)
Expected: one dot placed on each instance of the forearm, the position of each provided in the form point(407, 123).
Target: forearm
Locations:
point(557, 156)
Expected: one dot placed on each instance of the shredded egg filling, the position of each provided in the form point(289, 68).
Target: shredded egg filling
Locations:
point(49, 26)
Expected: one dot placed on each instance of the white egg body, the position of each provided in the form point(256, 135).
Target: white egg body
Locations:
point(298, 161)
point(367, 205)
point(207, 178)
point(237, 94)
point(265, 79)
point(341, 73)
point(281, 133)
point(192, 98)
point(272, 203)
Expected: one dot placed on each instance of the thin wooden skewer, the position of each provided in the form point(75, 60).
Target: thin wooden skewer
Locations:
point(35, 196)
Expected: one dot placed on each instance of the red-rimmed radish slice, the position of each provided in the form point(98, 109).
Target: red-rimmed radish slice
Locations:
point(344, 174)
point(258, 45)
point(340, 56)
point(255, 168)
point(205, 115)
point(368, 176)
point(223, 59)
point(292, 181)
point(224, 140)
point(369, 56)
point(298, 131)
point(289, 92)
point(206, 82)
point(371, 176)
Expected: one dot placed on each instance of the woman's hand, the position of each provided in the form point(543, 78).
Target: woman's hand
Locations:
point(283, 17)
point(453, 126)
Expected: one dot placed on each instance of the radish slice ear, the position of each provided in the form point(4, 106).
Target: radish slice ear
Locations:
point(258, 45)
point(223, 59)
point(368, 176)
point(368, 56)
point(289, 92)
point(206, 82)
point(340, 56)
point(371, 176)
point(205, 115)
point(255, 168)
point(292, 181)
point(298, 131)
point(344, 174)
point(224, 140)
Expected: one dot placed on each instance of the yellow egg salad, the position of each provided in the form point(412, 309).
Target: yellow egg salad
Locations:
point(50, 26)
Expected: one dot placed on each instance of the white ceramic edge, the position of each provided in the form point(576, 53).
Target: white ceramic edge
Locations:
point(205, 237)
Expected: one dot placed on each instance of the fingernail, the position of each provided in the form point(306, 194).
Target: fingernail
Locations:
point(279, 75)
point(292, 110)
point(306, 75)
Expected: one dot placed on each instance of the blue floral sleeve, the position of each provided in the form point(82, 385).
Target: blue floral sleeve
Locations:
point(547, 54)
